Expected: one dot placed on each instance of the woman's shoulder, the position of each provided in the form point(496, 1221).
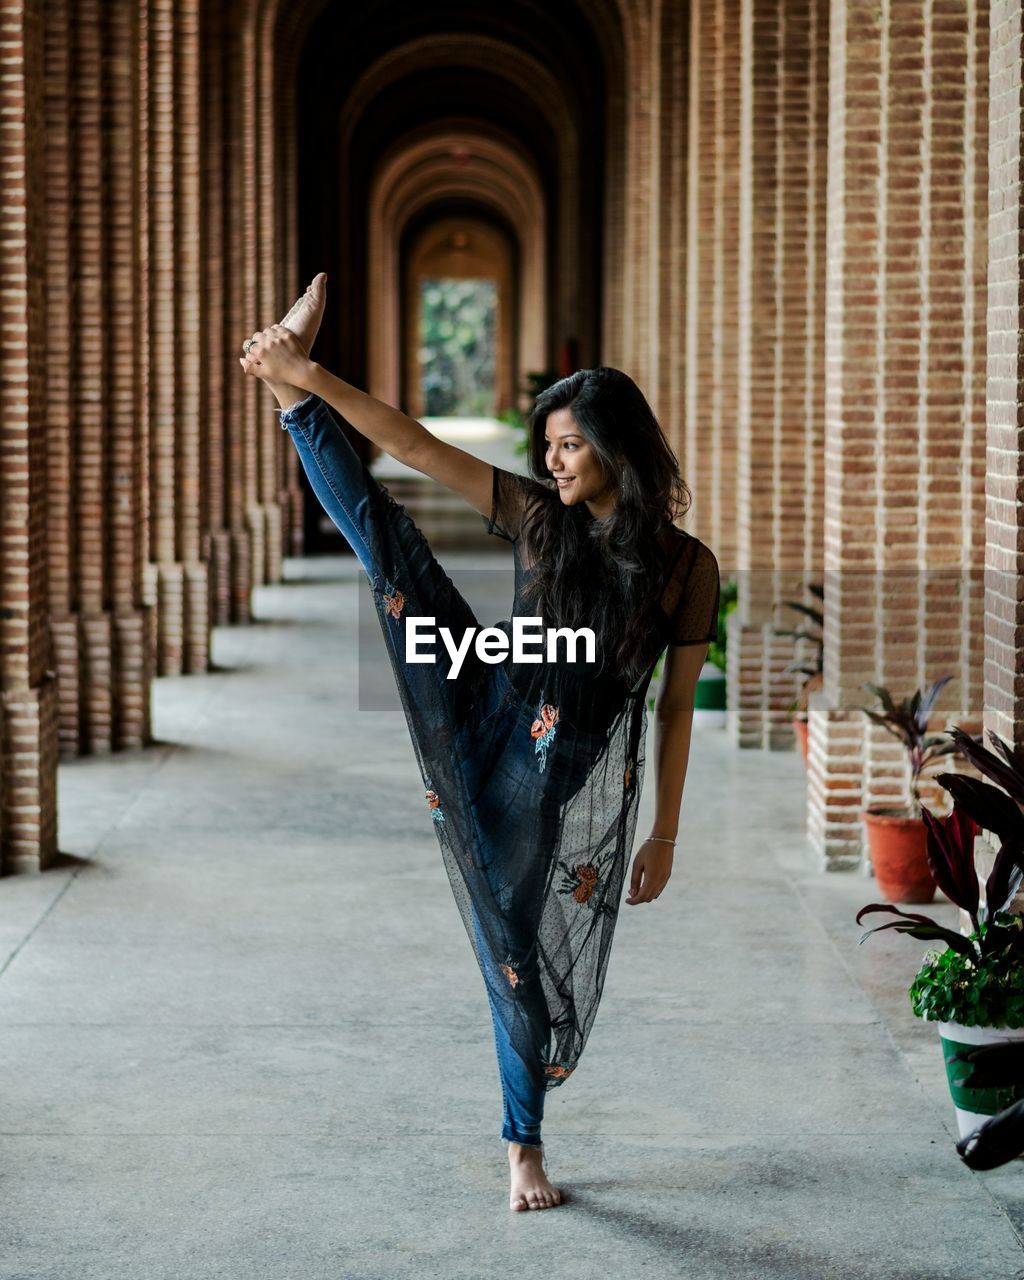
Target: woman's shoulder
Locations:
point(682, 540)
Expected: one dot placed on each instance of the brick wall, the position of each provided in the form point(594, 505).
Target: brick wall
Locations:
point(1004, 540)
point(783, 158)
point(904, 405)
point(131, 462)
point(28, 726)
point(709, 455)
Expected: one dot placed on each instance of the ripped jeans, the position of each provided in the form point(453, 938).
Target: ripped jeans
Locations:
point(343, 484)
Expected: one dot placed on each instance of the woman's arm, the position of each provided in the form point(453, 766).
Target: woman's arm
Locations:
point(673, 710)
point(408, 440)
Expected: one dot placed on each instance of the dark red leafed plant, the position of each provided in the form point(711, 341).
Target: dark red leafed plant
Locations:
point(908, 722)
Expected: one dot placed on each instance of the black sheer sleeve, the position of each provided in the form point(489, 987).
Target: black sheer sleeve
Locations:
point(692, 607)
point(511, 497)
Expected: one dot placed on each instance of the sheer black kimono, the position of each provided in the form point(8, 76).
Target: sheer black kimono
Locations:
point(532, 776)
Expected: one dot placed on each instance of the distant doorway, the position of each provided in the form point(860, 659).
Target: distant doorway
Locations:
point(458, 320)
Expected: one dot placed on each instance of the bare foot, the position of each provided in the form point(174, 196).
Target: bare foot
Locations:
point(304, 321)
point(305, 315)
point(530, 1186)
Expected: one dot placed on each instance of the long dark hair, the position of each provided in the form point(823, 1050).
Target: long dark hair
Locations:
point(607, 573)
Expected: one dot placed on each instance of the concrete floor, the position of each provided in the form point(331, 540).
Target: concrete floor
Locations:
point(243, 1034)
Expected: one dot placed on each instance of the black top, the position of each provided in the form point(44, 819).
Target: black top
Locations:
point(687, 612)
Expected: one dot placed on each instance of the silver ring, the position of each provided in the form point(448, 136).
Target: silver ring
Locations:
point(251, 343)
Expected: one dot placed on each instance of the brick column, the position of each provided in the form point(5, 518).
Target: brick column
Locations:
point(670, 51)
point(712, 320)
point(216, 367)
point(240, 394)
point(783, 132)
point(1004, 559)
point(61, 354)
point(270, 305)
point(132, 654)
point(182, 587)
point(291, 498)
point(904, 451)
point(28, 725)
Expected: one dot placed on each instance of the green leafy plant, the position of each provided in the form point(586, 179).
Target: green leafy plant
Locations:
point(813, 667)
point(982, 988)
point(908, 722)
point(728, 598)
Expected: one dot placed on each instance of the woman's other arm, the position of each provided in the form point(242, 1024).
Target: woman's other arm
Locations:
point(673, 711)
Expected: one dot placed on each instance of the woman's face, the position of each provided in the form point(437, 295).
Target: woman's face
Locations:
point(574, 465)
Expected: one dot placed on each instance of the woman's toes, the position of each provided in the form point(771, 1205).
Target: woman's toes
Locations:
point(519, 1203)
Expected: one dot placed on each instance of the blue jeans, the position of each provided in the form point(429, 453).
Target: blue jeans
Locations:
point(351, 495)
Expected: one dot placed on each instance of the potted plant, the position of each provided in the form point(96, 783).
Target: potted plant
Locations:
point(896, 833)
point(974, 989)
point(812, 667)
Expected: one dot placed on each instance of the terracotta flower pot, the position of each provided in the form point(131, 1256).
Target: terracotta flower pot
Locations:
point(897, 846)
point(800, 729)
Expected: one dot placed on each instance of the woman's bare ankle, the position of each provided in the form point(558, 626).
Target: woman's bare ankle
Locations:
point(286, 394)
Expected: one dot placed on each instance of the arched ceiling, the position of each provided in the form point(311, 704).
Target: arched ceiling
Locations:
point(368, 76)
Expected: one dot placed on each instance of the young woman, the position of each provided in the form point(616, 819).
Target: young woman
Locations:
point(532, 769)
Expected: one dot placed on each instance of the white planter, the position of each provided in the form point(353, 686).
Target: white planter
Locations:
point(954, 1033)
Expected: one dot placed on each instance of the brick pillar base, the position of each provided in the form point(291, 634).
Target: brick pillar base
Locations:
point(170, 606)
point(743, 662)
point(183, 623)
point(30, 749)
point(64, 634)
point(97, 683)
point(133, 666)
point(290, 503)
point(835, 743)
point(196, 628)
point(241, 575)
point(781, 689)
point(272, 517)
point(296, 501)
point(256, 523)
point(219, 568)
point(760, 695)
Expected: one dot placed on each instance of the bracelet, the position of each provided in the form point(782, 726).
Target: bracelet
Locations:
point(663, 839)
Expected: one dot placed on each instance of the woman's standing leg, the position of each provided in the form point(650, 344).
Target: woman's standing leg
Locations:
point(522, 1093)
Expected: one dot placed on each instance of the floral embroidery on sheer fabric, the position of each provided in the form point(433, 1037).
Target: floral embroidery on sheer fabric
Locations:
point(393, 600)
point(543, 731)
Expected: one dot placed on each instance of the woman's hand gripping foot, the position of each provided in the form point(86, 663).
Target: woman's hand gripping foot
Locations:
point(283, 354)
point(530, 1186)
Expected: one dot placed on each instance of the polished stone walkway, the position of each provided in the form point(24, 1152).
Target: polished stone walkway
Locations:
point(242, 1034)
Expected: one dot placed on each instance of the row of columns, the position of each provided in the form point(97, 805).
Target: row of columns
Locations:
point(145, 486)
point(853, 323)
